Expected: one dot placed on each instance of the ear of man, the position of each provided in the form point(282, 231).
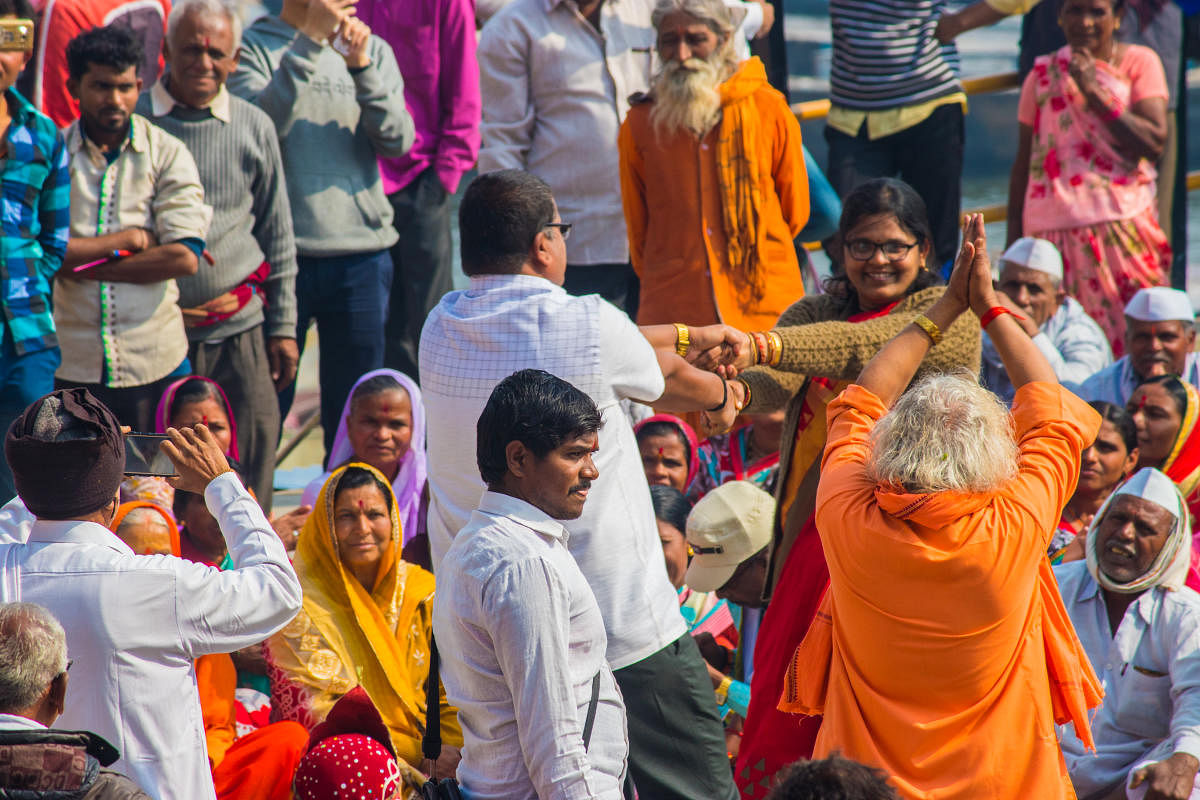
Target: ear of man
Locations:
point(518, 457)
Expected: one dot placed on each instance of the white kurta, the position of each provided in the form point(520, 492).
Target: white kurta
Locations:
point(135, 624)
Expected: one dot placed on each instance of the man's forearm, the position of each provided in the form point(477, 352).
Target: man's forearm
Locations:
point(893, 367)
point(687, 388)
point(159, 263)
point(86, 249)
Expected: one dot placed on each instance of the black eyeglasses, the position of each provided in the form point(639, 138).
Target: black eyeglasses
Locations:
point(563, 227)
point(864, 249)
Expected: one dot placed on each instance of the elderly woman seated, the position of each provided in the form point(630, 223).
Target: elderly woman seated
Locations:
point(366, 620)
point(942, 653)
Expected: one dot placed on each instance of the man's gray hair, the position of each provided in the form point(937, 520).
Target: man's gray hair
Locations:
point(712, 13)
point(946, 433)
point(33, 652)
point(183, 8)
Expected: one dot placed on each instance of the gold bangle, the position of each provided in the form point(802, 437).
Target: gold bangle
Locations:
point(753, 348)
point(930, 327)
point(745, 386)
point(777, 348)
point(683, 340)
point(722, 691)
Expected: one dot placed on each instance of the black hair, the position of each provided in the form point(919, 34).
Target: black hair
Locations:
point(662, 427)
point(21, 9)
point(535, 408)
point(1174, 387)
point(114, 46)
point(373, 386)
point(500, 215)
point(873, 198)
point(832, 778)
point(1120, 419)
point(195, 390)
point(356, 478)
point(670, 506)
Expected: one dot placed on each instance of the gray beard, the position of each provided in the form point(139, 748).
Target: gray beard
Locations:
point(686, 99)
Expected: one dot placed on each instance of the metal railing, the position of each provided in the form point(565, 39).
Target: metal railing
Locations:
point(810, 110)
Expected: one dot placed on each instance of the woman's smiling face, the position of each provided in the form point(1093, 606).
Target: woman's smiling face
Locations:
point(878, 280)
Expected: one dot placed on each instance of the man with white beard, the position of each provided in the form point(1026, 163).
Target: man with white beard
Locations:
point(711, 143)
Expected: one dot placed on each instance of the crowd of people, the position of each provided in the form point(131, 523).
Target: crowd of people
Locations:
point(644, 511)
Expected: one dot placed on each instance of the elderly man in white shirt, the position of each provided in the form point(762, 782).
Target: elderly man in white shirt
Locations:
point(136, 623)
point(1140, 626)
point(1160, 337)
point(1031, 285)
point(540, 710)
point(557, 75)
point(515, 315)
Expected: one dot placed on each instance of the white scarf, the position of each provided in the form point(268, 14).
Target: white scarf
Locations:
point(1170, 568)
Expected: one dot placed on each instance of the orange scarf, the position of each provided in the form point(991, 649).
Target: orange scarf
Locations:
point(738, 166)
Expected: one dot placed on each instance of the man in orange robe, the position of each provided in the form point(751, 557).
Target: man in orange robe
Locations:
point(943, 653)
point(712, 181)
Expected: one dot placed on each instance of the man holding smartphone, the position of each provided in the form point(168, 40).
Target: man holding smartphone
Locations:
point(136, 623)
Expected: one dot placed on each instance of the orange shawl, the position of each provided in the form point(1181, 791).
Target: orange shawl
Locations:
point(942, 652)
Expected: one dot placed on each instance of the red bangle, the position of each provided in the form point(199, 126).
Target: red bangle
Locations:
point(997, 311)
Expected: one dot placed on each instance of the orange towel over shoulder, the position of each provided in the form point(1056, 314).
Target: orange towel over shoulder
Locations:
point(942, 653)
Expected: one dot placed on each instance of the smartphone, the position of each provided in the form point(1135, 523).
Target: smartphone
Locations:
point(16, 34)
point(143, 456)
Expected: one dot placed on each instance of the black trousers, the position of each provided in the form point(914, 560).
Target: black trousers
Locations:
point(928, 157)
point(676, 740)
point(616, 283)
point(421, 267)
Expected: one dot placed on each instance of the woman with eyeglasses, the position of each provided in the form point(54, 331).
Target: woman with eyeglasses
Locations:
point(881, 284)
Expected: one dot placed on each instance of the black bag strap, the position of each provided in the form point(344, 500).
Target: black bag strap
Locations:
point(431, 742)
point(590, 720)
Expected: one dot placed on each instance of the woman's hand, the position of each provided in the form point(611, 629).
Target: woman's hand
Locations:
point(1083, 70)
point(287, 526)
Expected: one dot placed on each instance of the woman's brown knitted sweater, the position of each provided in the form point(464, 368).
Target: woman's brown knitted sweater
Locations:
point(818, 342)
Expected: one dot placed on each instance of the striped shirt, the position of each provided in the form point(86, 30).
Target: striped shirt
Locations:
point(885, 55)
point(34, 222)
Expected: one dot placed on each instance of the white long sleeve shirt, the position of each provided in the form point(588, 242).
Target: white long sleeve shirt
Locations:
point(523, 639)
point(135, 624)
point(1150, 671)
point(476, 338)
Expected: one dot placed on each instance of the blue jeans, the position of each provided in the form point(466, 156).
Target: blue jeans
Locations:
point(23, 379)
point(347, 296)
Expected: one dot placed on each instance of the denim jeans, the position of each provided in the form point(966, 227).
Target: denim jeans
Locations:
point(347, 296)
point(23, 379)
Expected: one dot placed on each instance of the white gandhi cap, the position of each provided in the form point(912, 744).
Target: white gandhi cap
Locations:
point(1160, 304)
point(1036, 254)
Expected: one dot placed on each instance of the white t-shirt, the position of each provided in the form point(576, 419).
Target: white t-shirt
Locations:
point(505, 323)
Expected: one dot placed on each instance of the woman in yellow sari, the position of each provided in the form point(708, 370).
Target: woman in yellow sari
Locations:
point(365, 621)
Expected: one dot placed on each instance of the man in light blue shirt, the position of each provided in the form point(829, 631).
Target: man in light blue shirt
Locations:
point(1160, 339)
point(1140, 627)
point(1031, 274)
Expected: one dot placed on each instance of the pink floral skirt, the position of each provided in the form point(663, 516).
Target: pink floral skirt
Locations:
point(1105, 264)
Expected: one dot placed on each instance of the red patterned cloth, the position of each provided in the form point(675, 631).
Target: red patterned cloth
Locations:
point(347, 767)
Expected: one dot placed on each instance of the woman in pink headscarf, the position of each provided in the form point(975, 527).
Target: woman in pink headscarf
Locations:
point(383, 425)
point(669, 449)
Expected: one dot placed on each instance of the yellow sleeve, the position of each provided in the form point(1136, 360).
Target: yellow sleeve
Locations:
point(1012, 6)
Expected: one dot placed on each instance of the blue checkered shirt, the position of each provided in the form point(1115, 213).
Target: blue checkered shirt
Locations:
point(34, 224)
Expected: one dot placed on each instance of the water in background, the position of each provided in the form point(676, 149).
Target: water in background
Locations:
point(991, 124)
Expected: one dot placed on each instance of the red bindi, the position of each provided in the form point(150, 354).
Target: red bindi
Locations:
point(204, 419)
point(660, 452)
point(206, 40)
point(386, 408)
point(1142, 404)
point(360, 505)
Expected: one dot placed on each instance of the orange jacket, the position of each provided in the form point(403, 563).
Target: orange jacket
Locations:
point(672, 196)
point(948, 654)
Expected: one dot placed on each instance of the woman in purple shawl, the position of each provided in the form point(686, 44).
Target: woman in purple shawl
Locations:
point(383, 425)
